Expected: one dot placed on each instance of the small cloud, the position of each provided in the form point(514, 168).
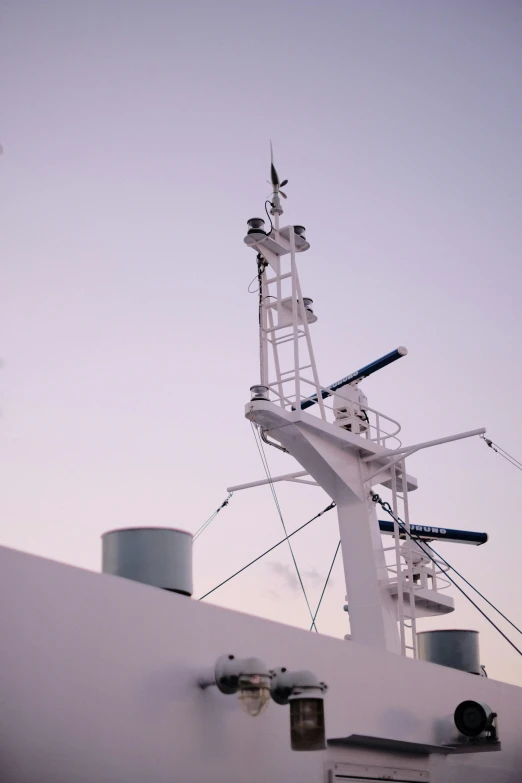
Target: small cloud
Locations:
point(319, 579)
point(286, 573)
point(313, 576)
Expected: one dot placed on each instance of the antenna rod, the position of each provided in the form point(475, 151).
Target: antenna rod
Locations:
point(357, 376)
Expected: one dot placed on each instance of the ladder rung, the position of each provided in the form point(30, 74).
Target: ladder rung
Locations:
point(289, 372)
point(278, 277)
point(285, 338)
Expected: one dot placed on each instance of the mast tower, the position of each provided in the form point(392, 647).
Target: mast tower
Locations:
point(346, 447)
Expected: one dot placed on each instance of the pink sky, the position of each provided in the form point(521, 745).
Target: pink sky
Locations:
point(135, 143)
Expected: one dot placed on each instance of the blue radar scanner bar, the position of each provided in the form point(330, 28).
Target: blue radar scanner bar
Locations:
point(357, 376)
point(425, 533)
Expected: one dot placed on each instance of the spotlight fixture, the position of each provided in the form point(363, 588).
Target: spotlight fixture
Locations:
point(303, 691)
point(249, 678)
point(300, 231)
point(476, 720)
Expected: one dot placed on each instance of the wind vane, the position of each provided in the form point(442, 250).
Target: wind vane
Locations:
point(274, 176)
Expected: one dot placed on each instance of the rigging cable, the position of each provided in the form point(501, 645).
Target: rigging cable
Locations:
point(326, 583)
point(269, 215)
point(204, 526)
point(320, 514)
point(502, 453)
point(402, 525)
point(474, 588)
point(260, 448)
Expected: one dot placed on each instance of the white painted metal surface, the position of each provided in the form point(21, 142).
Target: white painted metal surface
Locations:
point(98, 682)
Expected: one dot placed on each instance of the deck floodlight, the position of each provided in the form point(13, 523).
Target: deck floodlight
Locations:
point(249, 678)
point(300, 231)
point(256, 228)
point(303, 691)
point(307, 724)
point(474, 719)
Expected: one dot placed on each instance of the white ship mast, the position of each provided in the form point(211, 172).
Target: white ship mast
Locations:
point(346, 447)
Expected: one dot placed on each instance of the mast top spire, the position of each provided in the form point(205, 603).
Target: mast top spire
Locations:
point(276, 209)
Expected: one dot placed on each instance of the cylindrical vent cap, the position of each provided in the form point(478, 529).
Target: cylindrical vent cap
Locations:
point(157, 556)
point(456, 649)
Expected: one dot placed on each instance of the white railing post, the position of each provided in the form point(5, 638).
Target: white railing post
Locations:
point(294, 319)
point(400, 597)
point(310, 349)
point(409, 558)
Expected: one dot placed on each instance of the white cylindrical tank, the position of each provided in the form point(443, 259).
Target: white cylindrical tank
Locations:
point(458, 649)
point(157, 556)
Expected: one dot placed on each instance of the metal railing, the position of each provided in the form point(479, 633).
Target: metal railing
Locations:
point(379, 428)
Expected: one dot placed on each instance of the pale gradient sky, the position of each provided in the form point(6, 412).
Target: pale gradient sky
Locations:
point(135, 140)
